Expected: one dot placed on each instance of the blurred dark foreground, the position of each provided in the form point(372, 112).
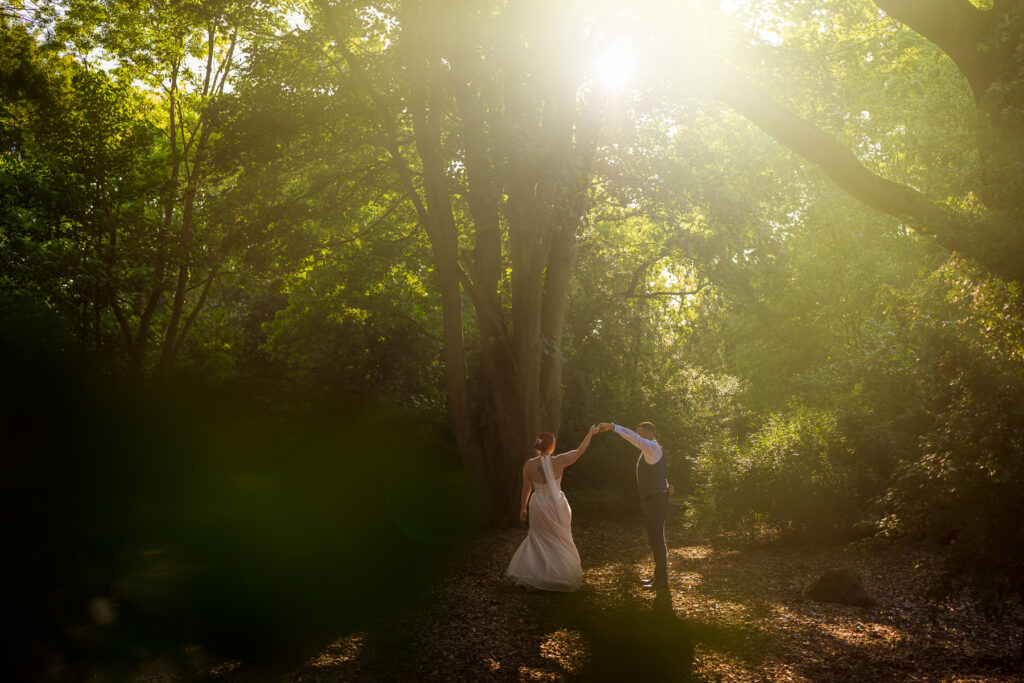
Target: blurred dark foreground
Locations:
point(134, 523)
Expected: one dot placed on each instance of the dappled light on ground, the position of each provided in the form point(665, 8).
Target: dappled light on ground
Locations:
point(722, 666)
point(731, 614)
point(342, 650)
point(692, 552)
point(856, 632)
point(567, 649)
point(687, 580)
point(527, 673)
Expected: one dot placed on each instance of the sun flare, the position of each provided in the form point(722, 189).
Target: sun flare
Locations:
point(615, 65)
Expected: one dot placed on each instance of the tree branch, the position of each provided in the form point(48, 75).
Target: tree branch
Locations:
point(210, 35)
point(418, 325)
point(122, 321)
point(187, 327)
point(837, 161)
point(374, 224)
point(956, 26)
point(482, 310)
point(390, 131)
point(638, 273)
point(630, 294)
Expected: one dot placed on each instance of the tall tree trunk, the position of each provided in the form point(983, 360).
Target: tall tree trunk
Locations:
point(180, 289)
point(530, 237)
point(501, 426)
point(427, 109)
point(556, 303)
point(433, 211)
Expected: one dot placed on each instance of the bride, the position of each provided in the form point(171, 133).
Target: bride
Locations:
point(547, 558)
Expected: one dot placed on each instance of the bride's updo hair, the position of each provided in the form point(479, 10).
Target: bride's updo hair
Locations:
point(545, 442)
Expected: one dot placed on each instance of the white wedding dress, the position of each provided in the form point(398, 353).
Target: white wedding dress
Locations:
point(547, 558)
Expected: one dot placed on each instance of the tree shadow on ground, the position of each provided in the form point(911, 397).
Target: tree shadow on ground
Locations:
point(476, 625)
point(629, 639)
point(636, 642)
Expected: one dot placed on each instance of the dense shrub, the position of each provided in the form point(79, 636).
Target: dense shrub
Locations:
point(790, 477)
point(965, 487)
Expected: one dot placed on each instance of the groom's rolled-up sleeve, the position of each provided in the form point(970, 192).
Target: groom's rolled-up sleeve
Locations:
point(651, 449)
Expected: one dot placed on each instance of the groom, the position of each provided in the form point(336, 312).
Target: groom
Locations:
point(652, 482)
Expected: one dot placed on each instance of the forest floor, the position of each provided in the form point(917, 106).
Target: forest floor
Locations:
point(731, 614)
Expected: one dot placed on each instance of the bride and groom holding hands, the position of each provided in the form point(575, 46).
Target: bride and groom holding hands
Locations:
point(547, 559)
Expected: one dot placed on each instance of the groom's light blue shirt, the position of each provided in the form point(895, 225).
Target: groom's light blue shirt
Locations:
point(650, 448)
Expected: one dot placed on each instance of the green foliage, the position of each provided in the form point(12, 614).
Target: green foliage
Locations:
point(345, 340)
point(78, 168)
point(791, 476)
point(964, 486)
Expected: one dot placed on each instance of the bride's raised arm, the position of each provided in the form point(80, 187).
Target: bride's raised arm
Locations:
point(563, 460)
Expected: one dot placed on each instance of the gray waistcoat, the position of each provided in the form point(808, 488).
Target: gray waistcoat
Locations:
point(651, 479)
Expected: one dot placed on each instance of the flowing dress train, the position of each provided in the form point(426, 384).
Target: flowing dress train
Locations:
point(547, 558)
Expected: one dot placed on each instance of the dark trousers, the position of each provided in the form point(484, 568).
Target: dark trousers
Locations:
point(655, 508)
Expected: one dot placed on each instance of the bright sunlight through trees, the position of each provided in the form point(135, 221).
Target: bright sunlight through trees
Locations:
point(615, 65)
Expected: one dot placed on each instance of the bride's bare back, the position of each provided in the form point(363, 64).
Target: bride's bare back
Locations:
point(535, 472)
